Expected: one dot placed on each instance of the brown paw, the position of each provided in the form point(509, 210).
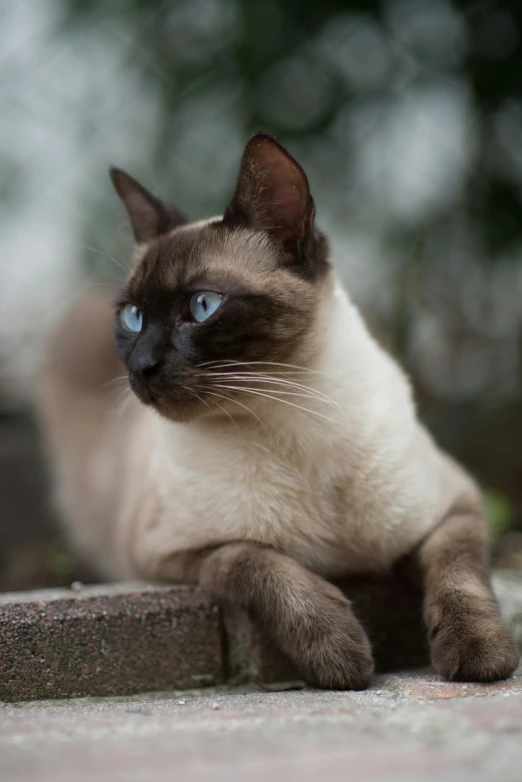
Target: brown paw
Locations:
point(329, 647)
point(473, 648)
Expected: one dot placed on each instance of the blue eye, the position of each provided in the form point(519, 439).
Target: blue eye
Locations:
point(202, 305)
point(131, 318)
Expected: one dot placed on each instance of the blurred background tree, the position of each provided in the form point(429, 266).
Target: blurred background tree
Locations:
point(406, 114)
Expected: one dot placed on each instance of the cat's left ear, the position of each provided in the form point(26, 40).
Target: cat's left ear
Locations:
point(273, 195)
point(149, 216)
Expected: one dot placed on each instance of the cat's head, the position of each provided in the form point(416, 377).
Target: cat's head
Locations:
point(212, 306)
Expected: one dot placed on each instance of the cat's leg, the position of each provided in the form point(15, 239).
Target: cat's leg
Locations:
point(467, 638)
point(308, 618)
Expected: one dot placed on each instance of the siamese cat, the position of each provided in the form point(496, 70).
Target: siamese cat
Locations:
point(267, 442)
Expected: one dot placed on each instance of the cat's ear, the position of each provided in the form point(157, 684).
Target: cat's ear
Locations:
point(149, 216)
point(272, 195)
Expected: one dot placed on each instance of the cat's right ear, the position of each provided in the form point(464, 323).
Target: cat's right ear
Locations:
point(149, 216)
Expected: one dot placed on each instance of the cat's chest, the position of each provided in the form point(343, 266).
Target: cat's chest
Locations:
point(296, 500)
point(323, 505)
point(269, 492)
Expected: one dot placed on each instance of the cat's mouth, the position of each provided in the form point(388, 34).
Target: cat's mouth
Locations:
point(174, 402)
point(162, 397)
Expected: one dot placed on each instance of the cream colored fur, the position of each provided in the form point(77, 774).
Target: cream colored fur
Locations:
point(346, 485)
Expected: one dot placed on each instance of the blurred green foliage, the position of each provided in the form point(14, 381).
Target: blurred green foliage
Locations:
point(62, 564)
point(292, 67)
point(499, 513)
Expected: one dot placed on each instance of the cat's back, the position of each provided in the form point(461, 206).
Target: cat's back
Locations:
point(78, 402)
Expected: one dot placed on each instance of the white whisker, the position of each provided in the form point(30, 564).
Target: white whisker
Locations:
point(116, 381)
point(266, 395)
point(268, 390)
point(273, 373)
point(194, 393)
point(106, 255)
point(235, 401)
point(253, 377)
point(124, 401)
point(231, 363)
point(282, 382)
point(221, 406)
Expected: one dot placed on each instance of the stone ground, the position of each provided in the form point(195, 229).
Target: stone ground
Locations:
point(407, 727)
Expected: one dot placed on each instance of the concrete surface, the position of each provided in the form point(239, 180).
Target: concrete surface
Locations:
point(407, 727)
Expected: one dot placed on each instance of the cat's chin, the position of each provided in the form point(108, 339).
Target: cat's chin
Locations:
point(187, 411)
point(185, 416)
point(173, 409)
point(179, 412)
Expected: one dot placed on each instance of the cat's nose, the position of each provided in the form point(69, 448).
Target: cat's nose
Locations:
point(144, 365)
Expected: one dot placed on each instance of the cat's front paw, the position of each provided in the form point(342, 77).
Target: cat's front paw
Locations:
point(330, 648)
point(473, 647)
point(336, 663)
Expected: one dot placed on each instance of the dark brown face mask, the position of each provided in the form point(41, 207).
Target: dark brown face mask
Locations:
point(241, 290)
